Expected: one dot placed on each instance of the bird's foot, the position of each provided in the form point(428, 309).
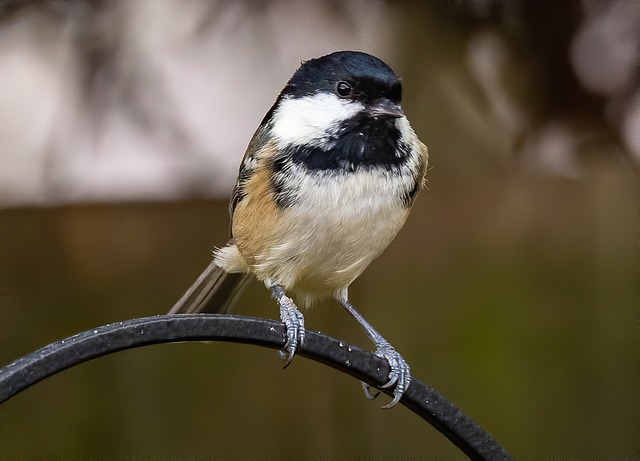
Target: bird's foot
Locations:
point(293, 321)
point(399, 373)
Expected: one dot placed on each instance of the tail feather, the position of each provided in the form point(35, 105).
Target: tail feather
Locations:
point(214, 291)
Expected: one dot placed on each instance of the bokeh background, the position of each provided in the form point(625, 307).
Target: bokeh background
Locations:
point(511, 290)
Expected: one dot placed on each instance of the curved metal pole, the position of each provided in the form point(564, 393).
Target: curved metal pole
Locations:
point(420, 398)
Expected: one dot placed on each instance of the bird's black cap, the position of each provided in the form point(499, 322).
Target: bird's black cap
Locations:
point(369, 76)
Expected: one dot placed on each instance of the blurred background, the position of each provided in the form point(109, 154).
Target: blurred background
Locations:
point(510, 290)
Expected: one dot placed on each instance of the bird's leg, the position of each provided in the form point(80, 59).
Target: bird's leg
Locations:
point(294, 322)
point(400, 374)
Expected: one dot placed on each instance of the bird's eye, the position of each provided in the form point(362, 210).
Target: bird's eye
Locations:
point(343, 89)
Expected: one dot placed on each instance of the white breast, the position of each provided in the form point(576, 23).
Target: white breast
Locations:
point(338, 225)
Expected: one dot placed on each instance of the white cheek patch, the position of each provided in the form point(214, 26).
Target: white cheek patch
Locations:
point(311, 119)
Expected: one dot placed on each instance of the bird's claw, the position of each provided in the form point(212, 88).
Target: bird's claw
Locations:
point(367, 391)
point(399, 374)
point(294, 322)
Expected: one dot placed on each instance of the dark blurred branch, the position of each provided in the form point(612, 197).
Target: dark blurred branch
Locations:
point(419, 398)
point(8, 7)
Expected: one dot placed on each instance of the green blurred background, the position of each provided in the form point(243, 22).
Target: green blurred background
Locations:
point(511, 288)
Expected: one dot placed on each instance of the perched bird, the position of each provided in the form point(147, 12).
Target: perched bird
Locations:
point(326, 183)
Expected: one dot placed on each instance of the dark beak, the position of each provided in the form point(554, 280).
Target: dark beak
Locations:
point(385, 109)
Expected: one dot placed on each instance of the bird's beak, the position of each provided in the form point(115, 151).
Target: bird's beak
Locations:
point(384, 108)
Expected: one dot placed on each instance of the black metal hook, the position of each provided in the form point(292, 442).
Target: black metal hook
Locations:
point(420, 398)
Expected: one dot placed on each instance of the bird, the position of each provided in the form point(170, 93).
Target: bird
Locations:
point(327, 181)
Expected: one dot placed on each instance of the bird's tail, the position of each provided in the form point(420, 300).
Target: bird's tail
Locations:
point(214, 291)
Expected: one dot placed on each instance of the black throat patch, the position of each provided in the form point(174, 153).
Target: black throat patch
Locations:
point(360, 142)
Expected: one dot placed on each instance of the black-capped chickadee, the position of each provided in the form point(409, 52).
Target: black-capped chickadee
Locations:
point(325, 185)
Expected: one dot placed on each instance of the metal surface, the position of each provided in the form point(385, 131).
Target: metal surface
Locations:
point(420, 398)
